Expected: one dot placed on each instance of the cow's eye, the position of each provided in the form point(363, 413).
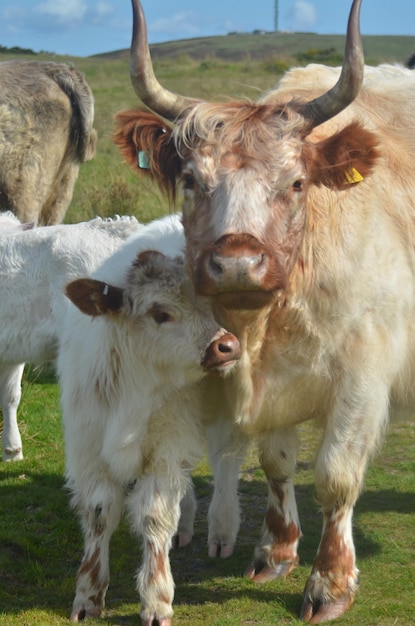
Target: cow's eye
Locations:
point(298, 185)
point(160, 316)
point(188, 181)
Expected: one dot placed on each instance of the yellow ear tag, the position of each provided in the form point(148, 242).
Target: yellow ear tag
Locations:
point(353, 176)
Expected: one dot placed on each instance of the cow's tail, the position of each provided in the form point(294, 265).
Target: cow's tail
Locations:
point(83, 135)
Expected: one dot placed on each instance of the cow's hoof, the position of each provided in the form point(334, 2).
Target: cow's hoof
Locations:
point(260, 572)
point(316, 612)
point(223, 550)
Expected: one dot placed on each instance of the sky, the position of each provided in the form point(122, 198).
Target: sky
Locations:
point(87, 27)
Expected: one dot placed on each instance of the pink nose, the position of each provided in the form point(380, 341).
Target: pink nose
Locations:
point(222, 352)
point(236, 262)
point(237, 272)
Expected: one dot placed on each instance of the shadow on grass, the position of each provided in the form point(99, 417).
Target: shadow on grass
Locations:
point(41, 547)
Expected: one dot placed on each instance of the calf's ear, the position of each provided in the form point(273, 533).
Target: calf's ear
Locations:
point(94, 297)
point(342, 160)
point(145, 142)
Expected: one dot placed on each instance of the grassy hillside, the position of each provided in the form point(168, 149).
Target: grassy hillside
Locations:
point(243, 46)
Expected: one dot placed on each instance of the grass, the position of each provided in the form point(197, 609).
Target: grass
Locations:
point(40, 541)
point(41, 545)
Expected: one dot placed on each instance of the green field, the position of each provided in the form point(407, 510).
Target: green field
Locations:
point(40, 541)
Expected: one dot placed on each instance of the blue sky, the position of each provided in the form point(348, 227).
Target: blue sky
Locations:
point(85, 27)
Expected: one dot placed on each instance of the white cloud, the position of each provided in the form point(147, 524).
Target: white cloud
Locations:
point(63, 11)
point(304, 16)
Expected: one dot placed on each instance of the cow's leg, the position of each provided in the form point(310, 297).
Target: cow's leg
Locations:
point(154, 509)
point(226, 453)
point(276, 554)
point(350, 437)
point(10, 393)
point(99, 508)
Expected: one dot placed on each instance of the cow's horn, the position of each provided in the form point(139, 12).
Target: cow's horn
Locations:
point(157, 98)
point(350, 81)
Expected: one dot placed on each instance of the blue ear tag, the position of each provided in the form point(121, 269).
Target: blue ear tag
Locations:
point(143, 160)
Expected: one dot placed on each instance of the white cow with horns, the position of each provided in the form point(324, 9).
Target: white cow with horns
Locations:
point(131, 357)
point(300, 227)
point(35, 265)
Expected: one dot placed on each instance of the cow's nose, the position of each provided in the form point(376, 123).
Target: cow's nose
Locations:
point(222, 352)
point(237, 272)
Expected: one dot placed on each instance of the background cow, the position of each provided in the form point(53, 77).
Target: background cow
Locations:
point(46, 118)
point(34, 267)
point(299, 219)
point(132, 411)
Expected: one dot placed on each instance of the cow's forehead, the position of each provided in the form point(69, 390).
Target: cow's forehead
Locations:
point(223, 138)
point(242, 124)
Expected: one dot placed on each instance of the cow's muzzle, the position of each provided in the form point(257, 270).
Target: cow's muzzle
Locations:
point(239, 268)
point(222, 352)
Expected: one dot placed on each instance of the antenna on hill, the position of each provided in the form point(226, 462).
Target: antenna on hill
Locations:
point(276, 16)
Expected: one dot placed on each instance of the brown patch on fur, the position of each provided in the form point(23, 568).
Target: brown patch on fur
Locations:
point(329, 160)
point(157, 570)
point(91, 566)
point(286, 536)
point(334, 559)
point(94, 297)
point(137, 130)
point(98, 598)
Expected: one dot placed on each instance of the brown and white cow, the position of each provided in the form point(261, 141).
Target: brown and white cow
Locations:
point(300, 225)
point(46, 118)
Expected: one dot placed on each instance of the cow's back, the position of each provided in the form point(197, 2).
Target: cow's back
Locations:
point(35, 265)
point(46, 118)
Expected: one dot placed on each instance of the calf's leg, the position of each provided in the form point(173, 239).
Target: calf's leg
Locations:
point(10, 394)
point(100, 510)
point(154, 510)
point(185, 528)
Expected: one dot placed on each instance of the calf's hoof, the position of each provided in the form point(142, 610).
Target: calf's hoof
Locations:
point(10, 454)
point(153, 621)
point(181, 540)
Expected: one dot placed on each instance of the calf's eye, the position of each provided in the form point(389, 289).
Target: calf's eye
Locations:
point(160, 316)
point(298, 185)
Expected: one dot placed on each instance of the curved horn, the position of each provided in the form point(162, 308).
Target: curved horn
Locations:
point(160, 100)
point(350, 81)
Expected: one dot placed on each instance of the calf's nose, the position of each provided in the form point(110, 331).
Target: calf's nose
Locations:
point(222, 352)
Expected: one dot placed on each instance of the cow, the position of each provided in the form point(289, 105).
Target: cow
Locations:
point(134, 347)
point(35, 265)
point(46, 132)
point(410, 64)
point(298, 212)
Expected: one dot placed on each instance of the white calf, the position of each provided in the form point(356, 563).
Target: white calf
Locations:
point(132, 409)
point(35, 264)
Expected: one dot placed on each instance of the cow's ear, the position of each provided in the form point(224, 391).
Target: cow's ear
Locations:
point(343, 159)
point(145, 141)
point(94, 297)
